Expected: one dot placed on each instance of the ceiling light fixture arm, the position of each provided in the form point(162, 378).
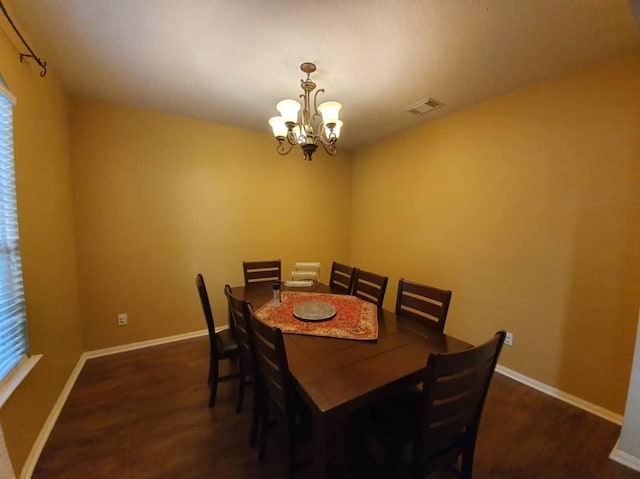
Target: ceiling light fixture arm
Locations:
point(284, 147)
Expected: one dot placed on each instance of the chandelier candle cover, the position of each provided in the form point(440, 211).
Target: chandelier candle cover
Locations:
point(320, 127)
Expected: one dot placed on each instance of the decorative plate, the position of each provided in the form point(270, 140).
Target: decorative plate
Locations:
point(314, 311)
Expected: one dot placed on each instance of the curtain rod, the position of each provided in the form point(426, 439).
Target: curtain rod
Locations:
point(31, 53)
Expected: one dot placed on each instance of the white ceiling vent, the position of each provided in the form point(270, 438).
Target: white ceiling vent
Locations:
point(423, 106)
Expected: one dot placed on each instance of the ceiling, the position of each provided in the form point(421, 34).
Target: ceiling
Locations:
point(230, 61)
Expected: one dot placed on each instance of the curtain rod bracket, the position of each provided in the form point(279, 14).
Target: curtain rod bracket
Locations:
point(42, 64)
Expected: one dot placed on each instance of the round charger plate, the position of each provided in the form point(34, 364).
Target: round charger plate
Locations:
point(314, 311)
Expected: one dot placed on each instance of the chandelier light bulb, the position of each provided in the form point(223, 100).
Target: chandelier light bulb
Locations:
point(330, 112)
point(289, 110)
point(278, 126)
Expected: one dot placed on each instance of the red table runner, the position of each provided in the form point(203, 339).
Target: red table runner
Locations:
point(354, 319)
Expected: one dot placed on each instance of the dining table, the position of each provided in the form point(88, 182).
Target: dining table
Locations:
point(337, 377)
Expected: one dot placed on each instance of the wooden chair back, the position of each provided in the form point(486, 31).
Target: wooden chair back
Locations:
point(242, 326)
point(276, 388)
point(453, 396)
point(370, 287)
point(271, 360)
point(239, 311)
point(260, 272)
point(423, 303)
point(223, 345)
point(342, 278)
point(208, 314)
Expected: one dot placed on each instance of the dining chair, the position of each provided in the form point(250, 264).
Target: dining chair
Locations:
point(421, 432)
point(281, 396)
point(370, 287)
point(342, 278)
point(260, 272)
point(240, 313)
point(423, 303)
point(223, 344)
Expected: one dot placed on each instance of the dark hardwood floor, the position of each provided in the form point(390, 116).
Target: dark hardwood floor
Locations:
point(143, 414)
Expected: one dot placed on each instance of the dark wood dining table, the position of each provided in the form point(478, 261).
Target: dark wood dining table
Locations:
point(339, 376)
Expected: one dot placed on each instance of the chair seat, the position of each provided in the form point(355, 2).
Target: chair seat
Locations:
point(227, 344)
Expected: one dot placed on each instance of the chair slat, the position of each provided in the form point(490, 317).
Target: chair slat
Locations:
point(423, 303)
point(370, 287)
point(261, 271)
point(264, 275)
point(453, 385)
point(449, 433)
point(444, 409)
point(421, 306)
point(342, 277)
point(437, 294)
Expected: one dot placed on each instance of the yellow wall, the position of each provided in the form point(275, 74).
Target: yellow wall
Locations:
point(159, 198)
point(528, 208)
point(47, 243)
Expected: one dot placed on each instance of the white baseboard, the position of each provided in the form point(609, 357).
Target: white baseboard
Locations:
point(41, 440)
point(624, 458)
point(563, 396)
point(147, 344)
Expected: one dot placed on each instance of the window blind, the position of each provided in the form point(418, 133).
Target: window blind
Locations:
point(14, 343)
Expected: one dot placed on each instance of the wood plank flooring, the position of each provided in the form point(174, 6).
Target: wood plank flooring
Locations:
point(143, 414)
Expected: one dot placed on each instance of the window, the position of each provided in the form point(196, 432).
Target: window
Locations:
point(14, 343)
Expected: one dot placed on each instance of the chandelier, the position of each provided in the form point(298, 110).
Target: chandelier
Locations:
point(320, 127)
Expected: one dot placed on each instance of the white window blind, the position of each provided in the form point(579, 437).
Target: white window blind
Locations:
point(14, 342)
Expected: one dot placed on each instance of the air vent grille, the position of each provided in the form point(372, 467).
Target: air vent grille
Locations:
point(424, 106)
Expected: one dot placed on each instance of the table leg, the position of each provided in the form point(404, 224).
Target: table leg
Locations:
point(325, 428)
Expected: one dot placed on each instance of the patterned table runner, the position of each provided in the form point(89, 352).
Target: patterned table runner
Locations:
point(354, 319)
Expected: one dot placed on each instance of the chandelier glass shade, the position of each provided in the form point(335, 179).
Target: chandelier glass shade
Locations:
point(299, 125)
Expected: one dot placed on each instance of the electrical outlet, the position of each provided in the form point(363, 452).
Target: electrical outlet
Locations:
point(508, 340)
point(122, 319)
